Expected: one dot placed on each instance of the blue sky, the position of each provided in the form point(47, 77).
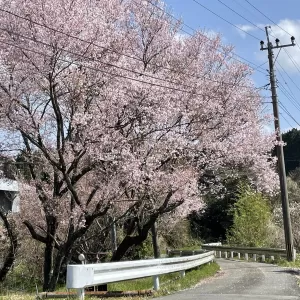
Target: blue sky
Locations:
point(282, 13)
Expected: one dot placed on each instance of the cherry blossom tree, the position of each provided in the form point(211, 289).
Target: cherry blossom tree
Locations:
point(9, 243)
point(115, 114)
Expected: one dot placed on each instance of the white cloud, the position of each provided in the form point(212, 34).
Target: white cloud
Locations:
point(284, 130)
point(292, 27)
point(248, 28)
point(180, 36)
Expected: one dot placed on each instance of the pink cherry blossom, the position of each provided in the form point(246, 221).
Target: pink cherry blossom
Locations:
point(117, 115)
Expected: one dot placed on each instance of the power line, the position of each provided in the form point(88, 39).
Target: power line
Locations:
point(287, 112)
point(253, 24)
point(288, 96)
point(112, 65)
point(267, 17)
point(94, 59)
point(103, 71)
point(111, 50)
point(208, 39)
point(270, 20)
point(292, 60)
point(97, 69)
point(226, 20)
point(289, 91)
point(287, 122)
point(277, 56)
point(288, 76)
point(245, 8)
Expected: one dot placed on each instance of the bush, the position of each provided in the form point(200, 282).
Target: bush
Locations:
point(180, 237)
point(251, 219)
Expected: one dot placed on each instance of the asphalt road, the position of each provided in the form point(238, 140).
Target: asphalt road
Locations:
point(244, 281)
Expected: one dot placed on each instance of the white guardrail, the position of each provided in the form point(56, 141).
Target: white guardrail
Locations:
point(81, 276)
point(263, 252)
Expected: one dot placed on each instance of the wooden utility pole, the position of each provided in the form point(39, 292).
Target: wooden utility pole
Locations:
point(279, 148)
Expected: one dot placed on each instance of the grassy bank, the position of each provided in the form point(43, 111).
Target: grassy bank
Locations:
point(169, 283)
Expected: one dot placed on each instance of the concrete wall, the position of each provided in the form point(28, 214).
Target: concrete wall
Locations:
point(9, 198)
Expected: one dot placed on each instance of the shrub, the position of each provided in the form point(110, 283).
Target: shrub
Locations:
point(251, 219)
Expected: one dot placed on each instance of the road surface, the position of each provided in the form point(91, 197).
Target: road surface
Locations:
point(239, 280)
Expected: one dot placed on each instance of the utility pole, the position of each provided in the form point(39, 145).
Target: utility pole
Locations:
point(279, 148)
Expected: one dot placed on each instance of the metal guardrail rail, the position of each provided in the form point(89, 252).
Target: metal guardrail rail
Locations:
point(263, 252)
point(232, 251)
point(172, 252)
point(85, 275)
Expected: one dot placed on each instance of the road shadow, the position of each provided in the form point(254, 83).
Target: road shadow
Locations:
point(288, 271)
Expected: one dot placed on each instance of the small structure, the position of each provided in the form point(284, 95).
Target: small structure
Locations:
point(9, 195)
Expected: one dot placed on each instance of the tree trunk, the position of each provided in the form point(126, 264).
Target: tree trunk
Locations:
point(156, 251)
point(130, 241)
point(126, 244)
point(49, 252)
point(48, 263)
point(60, 256)
point(13, 239)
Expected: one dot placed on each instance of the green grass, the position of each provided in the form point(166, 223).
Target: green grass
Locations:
point(169, 283)
point(292, 264)
point(192, 278)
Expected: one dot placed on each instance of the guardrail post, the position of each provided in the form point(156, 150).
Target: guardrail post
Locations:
point(254, 257)
point(231, 254)
point(294, 254)
point(182, 273)
point(156, 282)
point(263, 258)
point(220, 254)
point(246, 256)
point(239, 255)
point(272, 258)
point(80, 294)
point(226, 254)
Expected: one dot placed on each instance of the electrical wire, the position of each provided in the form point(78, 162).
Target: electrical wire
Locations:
point(103, 71)
point(291, 79)
point(292, 60)
point(245, 8)
point(105, 48)
point(253, 24)
point(208, 39)
point(286, 119)
point(277, 56)
point(289, 90)
point(266, 17)
point(118, 75)
point(226, 20)
point(288, 96)
point(287, 112)
point(285, 93)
